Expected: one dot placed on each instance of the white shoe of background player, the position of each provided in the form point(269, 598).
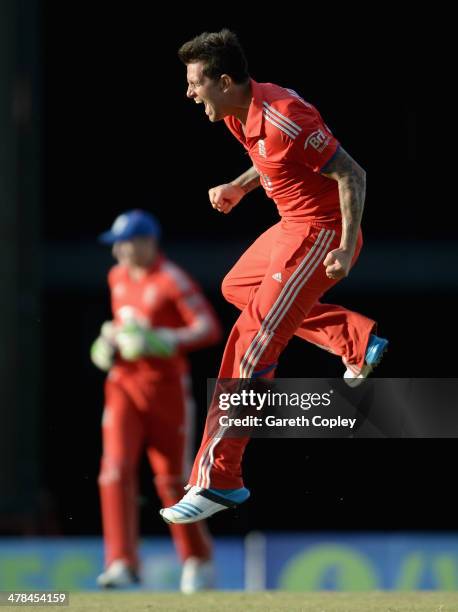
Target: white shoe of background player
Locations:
point(197, 575)
point(118, 574)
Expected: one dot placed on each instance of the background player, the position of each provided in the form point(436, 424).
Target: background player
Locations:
point(159, 314)
point(319, 191)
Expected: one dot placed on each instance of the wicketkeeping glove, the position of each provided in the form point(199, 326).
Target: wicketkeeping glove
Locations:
point(134, 341)
point(103, 349)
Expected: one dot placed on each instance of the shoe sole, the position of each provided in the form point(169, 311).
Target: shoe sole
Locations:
point(191, 519)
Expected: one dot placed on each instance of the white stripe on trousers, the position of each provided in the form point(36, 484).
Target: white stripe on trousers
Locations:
point(265, 334)
point(262, 344)
point(206, 461)
point(280, 297)
point(283, 302)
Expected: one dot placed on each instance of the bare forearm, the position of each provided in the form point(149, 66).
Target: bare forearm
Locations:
point(352, 192)
point(351, 179)
point(248, 181)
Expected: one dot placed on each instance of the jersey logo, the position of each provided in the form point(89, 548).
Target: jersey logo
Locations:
point(318, 140)
point(277, 276)
point(262, 148)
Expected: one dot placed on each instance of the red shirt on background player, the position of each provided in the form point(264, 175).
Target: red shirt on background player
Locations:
point(159, 315)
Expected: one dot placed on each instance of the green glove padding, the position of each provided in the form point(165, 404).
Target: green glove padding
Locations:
point(135, 341)
point(102, 354)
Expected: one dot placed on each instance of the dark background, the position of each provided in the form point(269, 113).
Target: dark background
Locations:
point(119, 133)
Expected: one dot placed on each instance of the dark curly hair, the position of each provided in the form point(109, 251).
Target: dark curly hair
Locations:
point(220, 52)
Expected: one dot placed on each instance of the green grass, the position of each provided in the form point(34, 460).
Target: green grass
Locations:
point(271, 601)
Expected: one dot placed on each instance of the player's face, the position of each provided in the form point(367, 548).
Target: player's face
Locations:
point(139, 252)
point(204, 90)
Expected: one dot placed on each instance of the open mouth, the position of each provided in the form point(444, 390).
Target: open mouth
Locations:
point(206, 105)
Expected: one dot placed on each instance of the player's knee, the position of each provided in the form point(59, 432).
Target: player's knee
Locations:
point(227, 289)
point(112, 471)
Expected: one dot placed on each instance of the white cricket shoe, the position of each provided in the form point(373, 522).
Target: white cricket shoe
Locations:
point(197, 575)
point(199, 504)
point(118, 574)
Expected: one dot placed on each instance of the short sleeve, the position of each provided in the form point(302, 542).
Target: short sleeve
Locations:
point(200, 325)
point(314, 144)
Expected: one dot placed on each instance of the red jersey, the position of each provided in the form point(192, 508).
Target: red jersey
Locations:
point(165, 297)
point(289, 144)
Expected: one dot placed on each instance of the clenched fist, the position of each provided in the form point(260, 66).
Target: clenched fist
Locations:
point(337, 264)
point(224, 197)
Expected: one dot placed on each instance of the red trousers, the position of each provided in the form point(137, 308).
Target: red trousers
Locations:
point(277, 284)
point(157, 416)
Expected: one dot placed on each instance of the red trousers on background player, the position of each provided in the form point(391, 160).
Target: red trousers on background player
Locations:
point(156, 415)
point(277, 283)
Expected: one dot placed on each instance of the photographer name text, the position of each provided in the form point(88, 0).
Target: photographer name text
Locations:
point(299, 421)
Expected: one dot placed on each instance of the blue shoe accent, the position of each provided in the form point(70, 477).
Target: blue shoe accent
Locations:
point(375, 349)
point(182, 511)
point(190, 508)
point(237, 496)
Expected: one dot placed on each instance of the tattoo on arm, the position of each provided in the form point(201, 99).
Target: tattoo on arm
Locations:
point(248, 181)
point(352, 192)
